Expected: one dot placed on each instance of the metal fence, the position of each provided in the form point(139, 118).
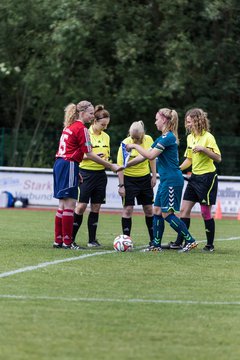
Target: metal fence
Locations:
point(29, 151)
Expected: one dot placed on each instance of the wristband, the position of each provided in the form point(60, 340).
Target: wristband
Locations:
point(120, 185)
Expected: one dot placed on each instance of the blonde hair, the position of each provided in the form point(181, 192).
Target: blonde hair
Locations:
point(137, 129)
point(200, 121)
point(100, 112)
point(172, 123)
point(72, 112)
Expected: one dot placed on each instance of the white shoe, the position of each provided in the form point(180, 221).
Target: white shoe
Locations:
point(189, 247)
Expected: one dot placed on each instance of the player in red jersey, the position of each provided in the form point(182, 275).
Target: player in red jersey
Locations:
point(73, 144)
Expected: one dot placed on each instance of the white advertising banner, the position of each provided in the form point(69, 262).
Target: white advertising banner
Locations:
point(229, 195)
point(37, 186)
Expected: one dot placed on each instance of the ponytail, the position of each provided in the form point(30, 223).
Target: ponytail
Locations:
point(137, 128)
point(172, 123)
point(70, 114)
point(100, 112)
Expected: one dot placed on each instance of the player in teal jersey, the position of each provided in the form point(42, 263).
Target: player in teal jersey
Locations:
point(167, 200)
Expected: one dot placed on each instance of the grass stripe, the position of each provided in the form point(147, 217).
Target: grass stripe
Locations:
point(144, 301)
point(55, 262)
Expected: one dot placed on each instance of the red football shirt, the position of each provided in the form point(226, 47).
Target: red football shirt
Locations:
point(74, 142)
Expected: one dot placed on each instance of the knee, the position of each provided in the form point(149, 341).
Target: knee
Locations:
point(148, 211)
point(95, 208)
point(157, 210)
point(206, 212)
point(185, 213)
point(127, 212)
point(80, 208)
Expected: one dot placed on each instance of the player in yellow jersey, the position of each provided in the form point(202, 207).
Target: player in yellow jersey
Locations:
point(93, 186)
point(201, 153)
point(137, 182)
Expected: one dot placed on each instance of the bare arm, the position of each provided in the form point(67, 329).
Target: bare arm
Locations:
point(154, 172)
point(121, 187)
point(137, 160)
point(91, 155)
point(150, 154)
point(120, 177)
point(212, 155)
point(186, 164)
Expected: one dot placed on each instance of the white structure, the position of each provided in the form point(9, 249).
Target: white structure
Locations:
point(37, 185)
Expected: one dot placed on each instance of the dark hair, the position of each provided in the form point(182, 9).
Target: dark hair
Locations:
point(100, 113)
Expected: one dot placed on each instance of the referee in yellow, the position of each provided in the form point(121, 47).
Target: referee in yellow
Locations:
point(94, 178)
point(138, 181)
point(201, 153)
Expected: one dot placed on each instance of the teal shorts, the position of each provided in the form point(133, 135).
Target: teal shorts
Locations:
point(169, 198)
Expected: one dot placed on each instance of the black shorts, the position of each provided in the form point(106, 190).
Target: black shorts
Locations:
point(93, 187)
point(202, 189)
point(139, 188)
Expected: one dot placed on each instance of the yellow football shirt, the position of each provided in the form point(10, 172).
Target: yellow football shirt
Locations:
point(141, 169)
point(201, 163)
point(100, 145)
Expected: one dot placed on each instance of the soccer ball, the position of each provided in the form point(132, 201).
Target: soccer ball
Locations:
point(123, 243)
point(18, 204)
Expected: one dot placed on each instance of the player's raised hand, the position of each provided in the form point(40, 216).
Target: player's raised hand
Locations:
point(198, 148)
point(129, 147)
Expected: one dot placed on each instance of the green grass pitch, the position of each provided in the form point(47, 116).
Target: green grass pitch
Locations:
point(100, 304)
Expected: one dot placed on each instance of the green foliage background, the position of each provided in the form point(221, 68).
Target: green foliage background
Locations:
point(132, 56)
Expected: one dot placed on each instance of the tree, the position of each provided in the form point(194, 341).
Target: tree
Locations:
point(134, 57)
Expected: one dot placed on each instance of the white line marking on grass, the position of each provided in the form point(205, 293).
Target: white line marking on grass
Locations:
point(45, 264)
point(106, 300)
point(229, 239)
